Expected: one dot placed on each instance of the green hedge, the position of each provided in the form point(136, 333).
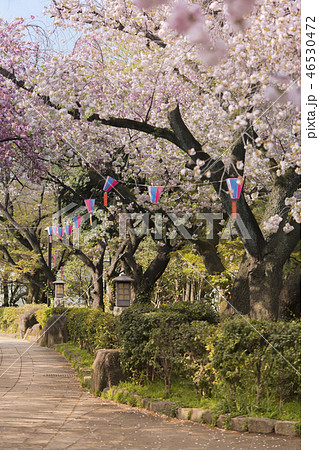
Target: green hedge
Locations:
point(92, 329)
point(166, 341)
point(9, 317)
point(254, 362)
point(247, 363)
point(43, 314)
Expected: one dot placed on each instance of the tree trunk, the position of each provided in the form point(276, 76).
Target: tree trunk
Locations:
point(96, 270)
point(97, 277)
point(144, 282)
point(256, 289)
point(154, 271)
point(5, 293)
point(192, 293)
point(34, 293)
point(290, 295)
point(187, 291)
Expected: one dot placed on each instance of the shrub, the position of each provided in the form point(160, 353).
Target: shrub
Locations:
point(92, 329)
point(189, 312)
point(286, 359)
point(9, 317)
point(43, 314)
point(164, 342)
point(255, 360)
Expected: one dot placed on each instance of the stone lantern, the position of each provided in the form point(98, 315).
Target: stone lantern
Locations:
point(123, 292)
point(59, 291)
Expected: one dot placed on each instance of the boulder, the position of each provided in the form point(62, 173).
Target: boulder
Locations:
point(33, 333)
point(223, 421)
point(286, 427)
point(207, 416)
point(239, 423)
point(261, 425)
point(54, 332)
point(184, 413)
point(162, 406)
point(106, 371)
point(27, 320)
point(198, 413)
point(145, 402)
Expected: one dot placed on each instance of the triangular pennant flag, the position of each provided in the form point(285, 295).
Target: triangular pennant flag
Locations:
point(76, 235)
point(60, 232)
point(235, 186)
point(110, 183)
point(68, 230)
point(50, 232)
point(77, 221)
point(89, 203)
point(90, 206)
point(154, 193)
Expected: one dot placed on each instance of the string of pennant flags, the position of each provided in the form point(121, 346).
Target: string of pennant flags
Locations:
point(234, 185)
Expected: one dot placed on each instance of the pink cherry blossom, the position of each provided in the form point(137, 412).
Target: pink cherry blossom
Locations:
point(188, 19)
point(213, 55)
point(149, 4)
point(237, 10)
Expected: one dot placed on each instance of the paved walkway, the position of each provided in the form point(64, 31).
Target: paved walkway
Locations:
point(42, 406)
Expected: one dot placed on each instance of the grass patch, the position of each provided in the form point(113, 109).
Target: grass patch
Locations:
point(182, 393)
point(76, 355)
point(80, 360)
point(82, 356)
point(291, 410)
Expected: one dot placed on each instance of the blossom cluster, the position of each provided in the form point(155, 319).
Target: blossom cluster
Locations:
point(221, 61)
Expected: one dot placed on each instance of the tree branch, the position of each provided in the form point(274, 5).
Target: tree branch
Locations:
point(247, 227)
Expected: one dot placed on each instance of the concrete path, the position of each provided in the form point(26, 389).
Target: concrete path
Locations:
point(42, 406)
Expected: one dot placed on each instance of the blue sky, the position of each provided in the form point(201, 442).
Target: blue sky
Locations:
point(10, 9)
point(62, 40)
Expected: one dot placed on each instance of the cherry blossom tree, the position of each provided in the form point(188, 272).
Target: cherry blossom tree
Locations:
point(191, 94)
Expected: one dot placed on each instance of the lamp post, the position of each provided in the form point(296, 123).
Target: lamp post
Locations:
point(123, 292)
point(59, 291)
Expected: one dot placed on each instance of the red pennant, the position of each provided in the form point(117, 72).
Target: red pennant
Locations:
point(234, 210)
point(105, 198)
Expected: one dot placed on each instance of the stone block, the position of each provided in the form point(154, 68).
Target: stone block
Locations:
point(261, 425)
point(85, 372)
point(106, 371)
point(207, 416)
point(222, 421)
point(145, 402)
point(33, 333)
point(87, 381)
point(239, 423)
point(162, 406)
point(117, 311)
point(27, 320)
point(197, 415)
point(55, 331)
point(285, 427)
point(184, 413)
